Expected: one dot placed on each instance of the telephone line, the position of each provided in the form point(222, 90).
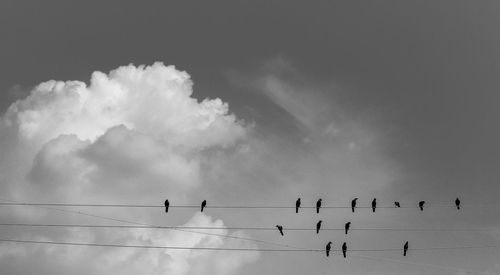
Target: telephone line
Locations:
point(239, 228)
point(228, 206)
point(244, 249)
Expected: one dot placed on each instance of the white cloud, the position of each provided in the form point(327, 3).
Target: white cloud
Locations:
point(129, 261)
point(154, 100)
point(132, 135)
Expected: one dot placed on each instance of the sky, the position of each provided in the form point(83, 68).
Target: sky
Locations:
point(250, 103)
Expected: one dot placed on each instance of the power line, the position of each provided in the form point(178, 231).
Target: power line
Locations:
point(240, 228)
point(176, 229)
point(243, 249)
point(158, 247)
point(230, 206)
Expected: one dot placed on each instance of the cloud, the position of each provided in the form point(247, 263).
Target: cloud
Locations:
point(315, 144)
point(128, 261)
point(154, 100)
point(133, 135)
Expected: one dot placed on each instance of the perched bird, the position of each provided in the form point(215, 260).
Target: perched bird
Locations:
point(374, 204)
point(353, 204)
point(203, 205)
point(421, 205)
point(344, 249)
point(396, 203)
point(167, 204)
point(405, 248)
point(318, 205)
point(328, 248)
point(347, 226)
point(297, 205)
point(280, 228)
point(457, 203)
point(318, 226)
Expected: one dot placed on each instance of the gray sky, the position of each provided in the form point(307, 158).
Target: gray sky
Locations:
point(337, 99)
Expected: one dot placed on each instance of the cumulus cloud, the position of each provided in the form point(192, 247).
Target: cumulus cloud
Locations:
point(155, 100)
point(102, 260)
point(136, 134)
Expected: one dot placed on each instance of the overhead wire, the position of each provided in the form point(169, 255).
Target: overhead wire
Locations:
point(243, 249)
point(175, 229)
point(435, 205)
point(245, 228)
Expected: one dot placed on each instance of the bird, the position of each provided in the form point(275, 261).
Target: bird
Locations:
point(297, 205)
point(347, 226)
point(405, 248)
point(396, 203)
point(421, 205)
point(280, 228)
point(344, 249)
point(328, 248)
point(318, 205)
point(353, 204)
point(318, 226)
point(457, 203)
point(203, 205)
point(167, 204)
point(374, 204)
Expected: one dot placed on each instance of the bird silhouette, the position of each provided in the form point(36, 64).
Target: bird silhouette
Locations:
point(203, 205)
point(318, 226)
point(421, 205)
point(396, 203)
point(328, 248)
point(457, 203)
point(280, 228)
point(405, 248)
point(353, 204)
point(344, 249)
point(374, 204)
point(318, 205)
point(297, 205)
point(167, 204)
point(347, 226)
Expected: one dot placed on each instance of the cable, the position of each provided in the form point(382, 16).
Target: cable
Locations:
point(176, 229)
point(226, 206)
point(243, 249)
point(238, 228)
point(158, 247)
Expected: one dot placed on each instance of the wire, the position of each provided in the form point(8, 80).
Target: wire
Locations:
point(242, 249)
point(176, 229)
point(237, 228)
point(159, 247)
point(223, 206)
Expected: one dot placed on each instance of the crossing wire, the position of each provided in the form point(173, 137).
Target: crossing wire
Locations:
point(243, 249)
point(244, 228)
point(175, 229)
point(232, 206)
